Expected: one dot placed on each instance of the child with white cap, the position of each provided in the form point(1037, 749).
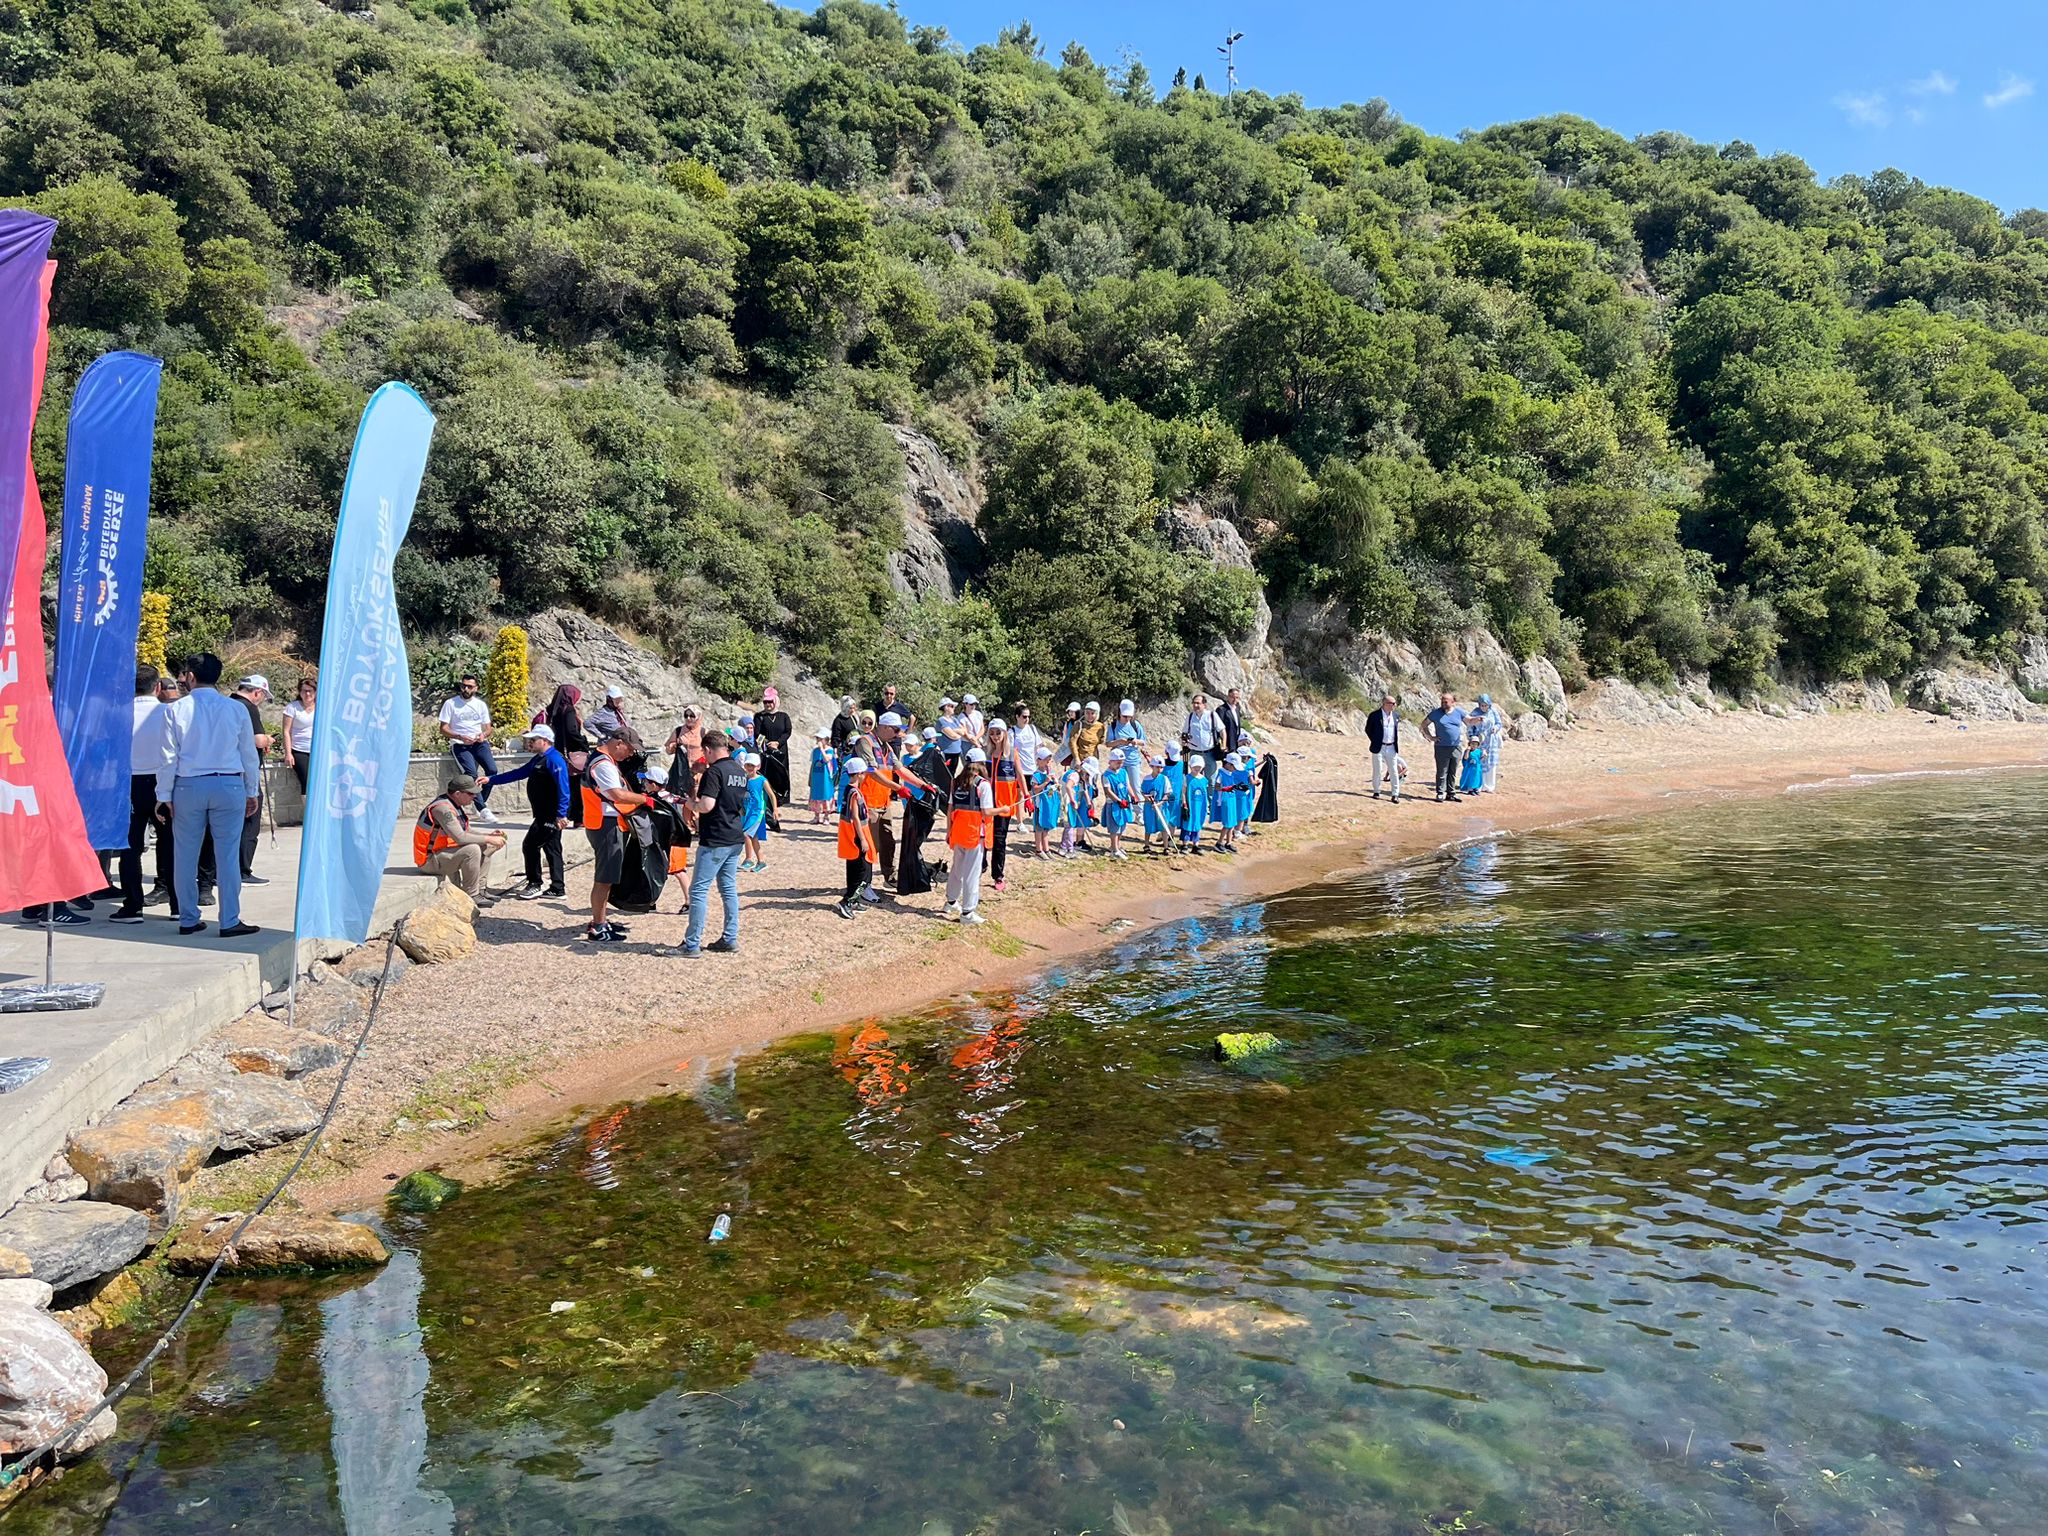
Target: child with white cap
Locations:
point(1119, 798)
point(970, 828)
point(1045, 802)
point(856, 835)
point(754, 821)
point(1152, 791)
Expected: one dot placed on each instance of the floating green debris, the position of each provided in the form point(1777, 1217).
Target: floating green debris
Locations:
point(1240, 1047)
point(424, 1191)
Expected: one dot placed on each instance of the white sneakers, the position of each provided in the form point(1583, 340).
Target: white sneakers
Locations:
point(952, 912)
point(972, 917)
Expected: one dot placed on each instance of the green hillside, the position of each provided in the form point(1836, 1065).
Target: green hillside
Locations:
point(667, 270)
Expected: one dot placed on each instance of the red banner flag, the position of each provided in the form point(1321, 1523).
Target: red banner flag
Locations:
point(45, 854)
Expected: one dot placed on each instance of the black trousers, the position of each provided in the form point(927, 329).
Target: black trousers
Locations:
point(1446, 770)
point(141, 811)
point(857, 875)
point(1001, 853)
point(252, 828)
point(544, 838)
point(911, 877)
point(885, 844)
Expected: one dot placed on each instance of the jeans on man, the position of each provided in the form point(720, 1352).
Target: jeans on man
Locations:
point(474, 758)
point(721, 865)
point(216, 803)
point(1447, 755)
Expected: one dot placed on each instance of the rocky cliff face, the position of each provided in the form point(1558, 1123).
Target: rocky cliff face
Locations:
point(1326, 656)
point(943, 548)
point(1247, 662)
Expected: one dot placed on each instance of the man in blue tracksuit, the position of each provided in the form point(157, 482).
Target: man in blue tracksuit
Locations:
point(547, 791)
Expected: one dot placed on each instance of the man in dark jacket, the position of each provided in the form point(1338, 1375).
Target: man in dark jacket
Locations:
point(547, 793)
point(1383, 742)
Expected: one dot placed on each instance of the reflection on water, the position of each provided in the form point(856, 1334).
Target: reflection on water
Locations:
point(1680, 1177)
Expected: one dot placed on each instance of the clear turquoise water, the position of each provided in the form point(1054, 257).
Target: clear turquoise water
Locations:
point(1680, 1176)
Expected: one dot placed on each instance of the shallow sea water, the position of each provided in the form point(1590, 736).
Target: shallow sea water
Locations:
point(1682, 1175)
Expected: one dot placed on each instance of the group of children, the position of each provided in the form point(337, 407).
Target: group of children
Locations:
point(1171, 799)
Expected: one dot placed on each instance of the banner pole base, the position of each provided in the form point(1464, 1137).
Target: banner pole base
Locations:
point(53, 997)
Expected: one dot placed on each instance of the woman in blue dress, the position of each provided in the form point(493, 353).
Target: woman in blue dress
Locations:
point(824, 784)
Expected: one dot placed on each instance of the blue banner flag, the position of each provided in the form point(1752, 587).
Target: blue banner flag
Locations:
point(362, 729)
point(99, 591)
point(24, 248)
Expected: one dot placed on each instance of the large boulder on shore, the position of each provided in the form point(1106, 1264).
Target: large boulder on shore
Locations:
point(80, 1240)
point(277, 1241)
point(47, 1383)
point(277, 1050)
point(142, 1155)
point(434, 935)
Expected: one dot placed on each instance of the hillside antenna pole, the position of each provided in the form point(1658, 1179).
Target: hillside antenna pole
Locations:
point(1229, 52)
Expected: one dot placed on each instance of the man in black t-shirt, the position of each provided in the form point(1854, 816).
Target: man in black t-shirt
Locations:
point(254, 692)
point(721, 801)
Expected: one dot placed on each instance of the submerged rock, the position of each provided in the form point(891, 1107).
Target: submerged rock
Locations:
point(80, 1240)
point(424, 1191)
point(47, 1383)
point(277, 1241)
point(1254, 1043)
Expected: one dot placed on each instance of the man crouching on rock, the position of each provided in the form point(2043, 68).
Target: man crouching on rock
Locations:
point(605, 801)
point(443, 844)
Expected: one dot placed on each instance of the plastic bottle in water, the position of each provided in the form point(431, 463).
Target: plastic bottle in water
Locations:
point(721, 1229)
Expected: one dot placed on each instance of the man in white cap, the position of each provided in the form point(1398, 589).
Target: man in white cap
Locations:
point(609, 719)
point(547, 792)
point(466, 725)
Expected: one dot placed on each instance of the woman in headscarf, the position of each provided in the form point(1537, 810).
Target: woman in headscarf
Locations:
point(564, 718)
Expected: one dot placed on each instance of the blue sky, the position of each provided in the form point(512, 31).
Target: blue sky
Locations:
point(1956, 94)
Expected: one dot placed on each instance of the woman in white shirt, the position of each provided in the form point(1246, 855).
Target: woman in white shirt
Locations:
point(298, 731)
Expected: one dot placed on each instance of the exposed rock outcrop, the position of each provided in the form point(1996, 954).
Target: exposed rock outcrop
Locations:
point(70, 1244)
point(1529, 727)
point(943, 549)
point(277, 1241)
point(434, 935)
point(571, 647)
point(1541, 684)
point(1617, 701)
point(1972, 695)
point(47, 1382)
point(1246, 661)
point(2032, 672)
point(1330, 657)
point(258, 1045)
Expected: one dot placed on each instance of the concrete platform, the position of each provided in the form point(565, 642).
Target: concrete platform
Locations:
point(164, 993)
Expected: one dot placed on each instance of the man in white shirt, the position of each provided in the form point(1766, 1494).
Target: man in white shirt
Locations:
point(208, 779)
point(466, 722)
point(145, 754)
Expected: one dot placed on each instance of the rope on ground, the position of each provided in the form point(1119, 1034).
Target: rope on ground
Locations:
point(27, 1461)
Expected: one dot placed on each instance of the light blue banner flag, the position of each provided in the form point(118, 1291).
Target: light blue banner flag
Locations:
point(99, 591)
point(362, 728)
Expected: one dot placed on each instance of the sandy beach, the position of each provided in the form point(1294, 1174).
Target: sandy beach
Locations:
point(538, 1025)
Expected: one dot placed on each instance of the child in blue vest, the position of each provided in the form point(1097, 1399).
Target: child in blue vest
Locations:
point(1045, 803)
point(824, 784)
point(1194, 805)
point(1119, 801)
point(754, 819)
point(1153, 792)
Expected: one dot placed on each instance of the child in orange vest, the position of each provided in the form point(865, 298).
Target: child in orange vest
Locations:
point(856, 836)
point(970, 830)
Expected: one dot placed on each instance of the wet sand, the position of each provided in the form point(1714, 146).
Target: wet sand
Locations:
point(537, 1025)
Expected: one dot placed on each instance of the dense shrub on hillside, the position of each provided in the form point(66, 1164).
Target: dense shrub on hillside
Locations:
point(667, 273)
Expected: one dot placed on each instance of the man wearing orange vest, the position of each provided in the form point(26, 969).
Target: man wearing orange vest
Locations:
point(606, 800)
point(442, 843)
point(970, 830)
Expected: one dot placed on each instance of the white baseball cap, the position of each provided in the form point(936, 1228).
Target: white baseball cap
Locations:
point(968, 698)
point(753, 759)
point(855, 765)
point(930, 733)
point(999, 724)
point(540, 733)
point(1127, 708)
point(976, 755)
point(947, 702)
point(823, 733)
point(655, 774)
point(891, 718)
point(1045, 751)
point(257, 681)
point(1072, 707)
point(615, 692)
point(1096, 705)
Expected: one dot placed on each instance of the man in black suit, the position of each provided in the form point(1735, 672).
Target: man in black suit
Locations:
point(1231, 716)
point(1383, 739)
